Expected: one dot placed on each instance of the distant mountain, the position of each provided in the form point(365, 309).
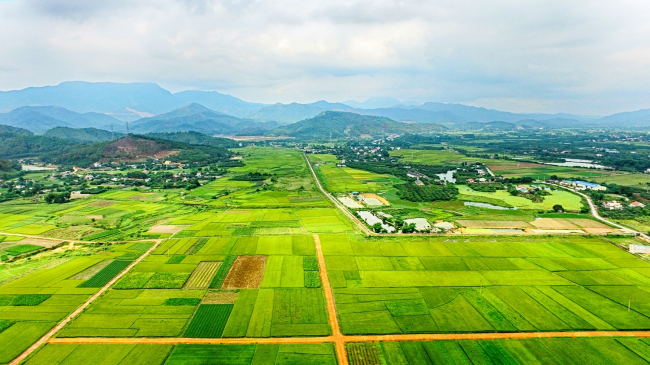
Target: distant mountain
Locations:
point(42, 118)
point(196, 117)
point(348, 125)
point(373, 103)
point(124, 101)
point(82, 135)
point(195, 138)
point(639, 118)
point(290, 113)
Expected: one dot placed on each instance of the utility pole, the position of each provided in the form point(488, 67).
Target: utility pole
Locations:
point(127, 129)
point(112, 133)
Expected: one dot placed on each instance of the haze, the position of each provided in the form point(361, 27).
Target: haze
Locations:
point(585, 57)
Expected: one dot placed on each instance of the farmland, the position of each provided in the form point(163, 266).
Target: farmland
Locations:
point(444, 285)
point(244, 268)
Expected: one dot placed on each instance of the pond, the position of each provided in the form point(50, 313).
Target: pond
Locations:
point(447, 176)
point(573, 162)
point(488, 206)
point(36, 168)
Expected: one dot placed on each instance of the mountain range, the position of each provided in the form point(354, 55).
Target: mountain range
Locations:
point(151, 108)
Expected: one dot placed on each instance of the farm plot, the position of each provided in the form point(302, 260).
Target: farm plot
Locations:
point(33, 304)
point(509, 284)
point(202, 275)
point(209, 320)
point(492, 224)
point(246, 273)
point(56, 354)
point(529, 351)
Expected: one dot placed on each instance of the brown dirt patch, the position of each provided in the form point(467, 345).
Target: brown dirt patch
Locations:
point(599, 230)
point(95, 216)
point(492, 224)
point(38, 242)
point(102, 204)
point(74, 195)
point(163, 154)
point(246, 273)
point(221, 297)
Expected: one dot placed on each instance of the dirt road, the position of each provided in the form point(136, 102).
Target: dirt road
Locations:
point(46, 338)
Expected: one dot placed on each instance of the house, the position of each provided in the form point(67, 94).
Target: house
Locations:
point(612, 205)
point(419, 182)
point(89, 177)
point(583, 185)
point(341, 164)
point(637, 205)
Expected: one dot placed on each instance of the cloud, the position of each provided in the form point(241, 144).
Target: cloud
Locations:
point(580, 56)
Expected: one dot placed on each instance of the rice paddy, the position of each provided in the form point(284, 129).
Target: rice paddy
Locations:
point(247, 268)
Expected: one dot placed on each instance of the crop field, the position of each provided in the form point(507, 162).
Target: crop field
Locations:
point(345, 179)
point(553, 351)
point(626, 179)
point(33, 304)
point(291, 185)
point(568, 200)
point(279, 291)
point(261, 222)
point(411, 285)
point(100, 217)
point(508, 168)
point(185, 354)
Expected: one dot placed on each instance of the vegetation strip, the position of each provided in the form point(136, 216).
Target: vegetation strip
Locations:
point(78, 311)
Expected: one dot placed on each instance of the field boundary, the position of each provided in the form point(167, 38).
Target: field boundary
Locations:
point(344, 338)
point(336, 202)
point(48, 336)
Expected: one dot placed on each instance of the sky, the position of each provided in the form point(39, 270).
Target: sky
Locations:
point(587, 57)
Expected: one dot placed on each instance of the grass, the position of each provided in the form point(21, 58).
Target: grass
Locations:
point(568, 200)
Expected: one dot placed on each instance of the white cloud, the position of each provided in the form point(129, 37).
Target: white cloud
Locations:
point(579, 56)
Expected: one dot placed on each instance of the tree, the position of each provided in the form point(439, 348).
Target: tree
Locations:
point(57, 198)
point(558, 208)
point(377, 227)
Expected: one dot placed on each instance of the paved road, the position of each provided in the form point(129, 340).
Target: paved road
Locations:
point(594, 212)
point(338, 203)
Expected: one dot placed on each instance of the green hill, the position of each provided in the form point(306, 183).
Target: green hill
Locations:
point(81, 135)
point(195, 138)
point(349, 125)
point(135, 148)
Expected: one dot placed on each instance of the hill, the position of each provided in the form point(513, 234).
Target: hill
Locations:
point(639, 118)
point(135, 148)
point(195, 138)
point(42, 118)
point(81, 135)
point(196, 117)
point(348, 125)
point(19, 143)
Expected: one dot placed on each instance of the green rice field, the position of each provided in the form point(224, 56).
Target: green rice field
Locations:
point(448, 285)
